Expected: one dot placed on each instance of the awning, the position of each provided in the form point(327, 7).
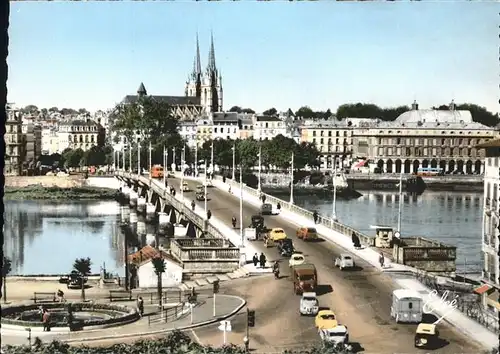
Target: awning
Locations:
point(483, 289)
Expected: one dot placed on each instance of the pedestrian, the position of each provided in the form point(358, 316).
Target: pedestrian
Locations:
point(355, 240)
point(60, 295)
point(315, 217)
point(140, 305)
point(278, 206)
point(224, 179)
point(255, 260)
point(173, 192)
point(381, 259)
point(263, 198)
point(262, 260)
point(193, 205)
point(209, 214)
point(46, 320)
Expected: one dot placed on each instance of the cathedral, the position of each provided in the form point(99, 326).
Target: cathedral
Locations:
point(203, 90)
point(205, 86)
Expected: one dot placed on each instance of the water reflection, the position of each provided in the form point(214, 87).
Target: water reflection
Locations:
point(43, 237)
point(452, 217)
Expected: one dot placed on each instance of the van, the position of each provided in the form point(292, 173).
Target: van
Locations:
point(407, 306)
point(156, 171)
point(305, 278)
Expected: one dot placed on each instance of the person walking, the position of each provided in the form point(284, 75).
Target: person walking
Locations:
point(315, 217)
point(262, 259)
point(209, 214)
point(140, 305)
point(193, 205)
point(255, 260)
point(263, 198)
point(233, 222)
point(278, 207)
point(381, 259)
point(46, 320)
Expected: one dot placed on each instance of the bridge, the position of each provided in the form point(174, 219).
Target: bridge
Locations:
point(204, 250)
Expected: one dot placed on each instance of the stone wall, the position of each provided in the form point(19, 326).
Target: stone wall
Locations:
point(44, 181)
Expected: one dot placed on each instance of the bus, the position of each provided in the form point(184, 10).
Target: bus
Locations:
point(430, 171)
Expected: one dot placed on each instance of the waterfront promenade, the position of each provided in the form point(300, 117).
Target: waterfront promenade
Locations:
point(361, 298)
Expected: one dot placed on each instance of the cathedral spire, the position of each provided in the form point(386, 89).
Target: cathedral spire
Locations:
point(211, 54)
point(198, 59)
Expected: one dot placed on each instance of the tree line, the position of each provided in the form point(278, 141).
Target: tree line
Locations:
point(369, 110)
point(95, 156)
point(32, 109)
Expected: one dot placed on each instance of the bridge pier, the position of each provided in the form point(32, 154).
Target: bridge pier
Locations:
point(141, 205)
point(163, 220)
point(125, 213)
point(133, 198)
point(150, 211)
point(141, 231)
point(133, 220)
point(125, 190)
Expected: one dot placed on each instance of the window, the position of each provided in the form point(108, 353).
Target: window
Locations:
point(410, 305)
point(329, 133)
point(398, 140)
point(314, 132)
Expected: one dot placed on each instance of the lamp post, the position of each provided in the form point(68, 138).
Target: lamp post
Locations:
point(173, 160)
point(130, 158)
point(241, 206)
point(139, 158)
point(260, 167)
point(165, 170)
point(114, 159)
point(182, 171)
point(212, 159)
point(206, 182)
point(400, 201)
point(334, 181)
point(234, 160)
point(123, 158)
point(196, 160)
point(291, 181)
point(150, 162)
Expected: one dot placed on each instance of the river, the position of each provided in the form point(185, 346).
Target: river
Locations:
point(45, 237)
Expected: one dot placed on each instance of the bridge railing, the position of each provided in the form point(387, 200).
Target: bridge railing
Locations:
point(322, 220)
point(161, 190)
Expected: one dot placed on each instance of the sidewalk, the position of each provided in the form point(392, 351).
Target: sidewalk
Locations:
point(454, 317)
point(226, 306)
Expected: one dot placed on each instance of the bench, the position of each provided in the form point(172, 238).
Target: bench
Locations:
point(120, 295)
point(44, 297)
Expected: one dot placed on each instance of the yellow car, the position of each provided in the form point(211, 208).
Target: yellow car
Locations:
point(326, 319)
point(277, 234)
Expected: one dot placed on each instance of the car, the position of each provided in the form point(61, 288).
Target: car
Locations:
point(200, 196)
point(325, 319)
point(338, 334)
point(307, 233)
point(309, 304)
point(185, 187)
point(277, 234)
point(344, 261)
point(266, 209)
point(296, 259)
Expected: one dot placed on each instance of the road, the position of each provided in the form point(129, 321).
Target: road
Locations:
point(361, 298)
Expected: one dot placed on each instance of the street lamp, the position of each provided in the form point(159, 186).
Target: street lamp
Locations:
point(196, 160)
point(212, 158)
point(150, 162)
point(234, 159)
point(182, 171)
point(139, 158)
point(291, 181)
point(114, 159)
point(206, 183)
point(130, 158)
point(334, 181)
point(173, 160)
point(260, 166)
point(123, 157)
point(241, 206)
point(165, 170)
point(400, 201)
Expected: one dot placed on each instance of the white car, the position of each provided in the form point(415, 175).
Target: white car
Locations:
point(344, 261)
point(309, 304)
point(296, 259)
point(338, 334)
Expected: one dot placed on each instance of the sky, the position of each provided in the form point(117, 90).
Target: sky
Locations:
point(273, 54)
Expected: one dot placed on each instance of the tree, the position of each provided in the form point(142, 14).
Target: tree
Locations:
point(53, 109)
point(248, 110)
point(160, 267)
point(83, 111)
point(235, 109)
point(247, 152)
point(6, 269)
point(306, 154)
point(31, 108)
point(73, 158)
point(44, 111)
point(82, 267)
point(150, 121)
point(305, 112)
point(270, 112)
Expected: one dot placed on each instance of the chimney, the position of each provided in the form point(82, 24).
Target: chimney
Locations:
point(414, 105)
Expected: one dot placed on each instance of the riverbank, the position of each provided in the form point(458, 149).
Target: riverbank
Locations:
point(37, 192)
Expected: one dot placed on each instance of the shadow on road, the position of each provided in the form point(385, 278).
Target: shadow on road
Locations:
point(323, 289)
point(356, 347)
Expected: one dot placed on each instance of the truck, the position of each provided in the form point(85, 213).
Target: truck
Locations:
point(305, 278)
point(250, 233)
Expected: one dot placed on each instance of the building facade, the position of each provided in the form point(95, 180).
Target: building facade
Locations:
point(32, 142)
point(424, 138)
point(491, 223)
point(204, 129)
point(226, 126)
point(187, 130)
point(13, 142)
point(50, 141)
point(78, 134)
point(267, 127)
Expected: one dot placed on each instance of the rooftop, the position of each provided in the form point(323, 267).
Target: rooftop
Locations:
point(267, 119)
point(79, 122)
point(171, 100)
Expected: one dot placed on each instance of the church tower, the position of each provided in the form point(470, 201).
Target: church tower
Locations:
point(193, 83)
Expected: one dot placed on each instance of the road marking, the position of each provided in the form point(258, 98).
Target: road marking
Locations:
point(196, 338)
